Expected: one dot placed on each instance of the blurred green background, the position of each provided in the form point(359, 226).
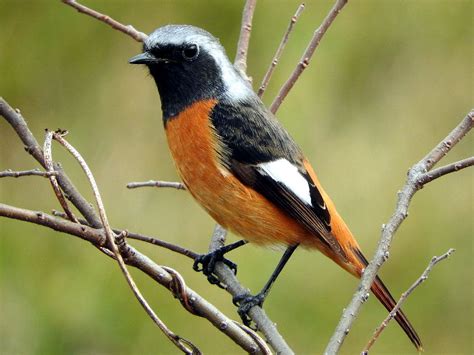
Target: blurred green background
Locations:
point(388, 81)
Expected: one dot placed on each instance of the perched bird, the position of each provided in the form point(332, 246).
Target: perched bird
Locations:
point(238, 161)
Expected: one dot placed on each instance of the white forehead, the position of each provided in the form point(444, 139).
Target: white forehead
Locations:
point(183, 34)
point(236, 87)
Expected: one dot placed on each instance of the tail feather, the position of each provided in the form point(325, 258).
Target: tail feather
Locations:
point(383, 295)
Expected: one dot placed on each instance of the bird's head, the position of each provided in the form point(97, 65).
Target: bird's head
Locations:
point(189, 64)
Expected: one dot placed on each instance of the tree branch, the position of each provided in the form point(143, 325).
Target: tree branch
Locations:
point(97, 237)
point(411, 186)
point(447, 169)
point(235, 288)
point(157, 183)
point(240, 61)
point(435, 260)
point(127, 29)
point(18, 123)
point(144, 238)
point(305, 59)
point(113, 240)
point(279, 52)
point(48, 160)
point(32, 172)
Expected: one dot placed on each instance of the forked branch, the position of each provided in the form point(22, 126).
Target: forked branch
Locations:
point(417, 177)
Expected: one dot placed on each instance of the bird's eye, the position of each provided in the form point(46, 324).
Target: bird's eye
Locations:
point(190, 52)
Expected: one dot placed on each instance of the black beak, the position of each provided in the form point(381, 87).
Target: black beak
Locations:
point(143, 58)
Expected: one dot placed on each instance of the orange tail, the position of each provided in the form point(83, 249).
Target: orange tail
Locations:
point(383, 295)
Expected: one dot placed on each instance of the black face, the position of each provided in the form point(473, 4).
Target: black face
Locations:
point(183, 74)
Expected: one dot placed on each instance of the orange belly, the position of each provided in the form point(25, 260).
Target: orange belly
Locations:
point(194, 147)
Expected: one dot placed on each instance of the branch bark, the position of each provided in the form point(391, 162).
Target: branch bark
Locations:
point(144, 238)
point(240, 61)
point(414, 182)
point(32, 172)
point(235, 288)
point(157, 183)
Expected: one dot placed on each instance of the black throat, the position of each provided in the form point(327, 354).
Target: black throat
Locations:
point(180, 84)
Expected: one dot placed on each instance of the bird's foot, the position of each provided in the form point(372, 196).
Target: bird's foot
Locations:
point(207, 264)
point(245, 302)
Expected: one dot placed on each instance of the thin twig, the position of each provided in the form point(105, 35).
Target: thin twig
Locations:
point(240, 61)
point(155, 241)
point(435, 260)
point(18, 123)
point(281, 47)
point(96, 237)
point(447, 169)
point(33, 172)
point(141, 237)
point(180, 342)
point(411, 186)
point(157, 183)
point(48, 161)
point(127, 29)
point(445, 146)
point(305, 59)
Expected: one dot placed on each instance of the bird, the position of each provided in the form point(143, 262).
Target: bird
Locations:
point(240, 164)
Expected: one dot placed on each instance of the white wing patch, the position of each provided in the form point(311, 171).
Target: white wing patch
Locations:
point(283, 171)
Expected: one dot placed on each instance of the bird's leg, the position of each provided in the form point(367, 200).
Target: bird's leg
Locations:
point(208, 262)
point(246, 301)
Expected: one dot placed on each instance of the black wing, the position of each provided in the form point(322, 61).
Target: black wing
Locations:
point(262, 139)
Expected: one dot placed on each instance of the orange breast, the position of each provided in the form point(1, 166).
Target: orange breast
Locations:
point(194, 146)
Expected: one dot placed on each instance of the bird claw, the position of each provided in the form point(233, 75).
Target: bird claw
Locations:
point(245, 303)
point(208, 263)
